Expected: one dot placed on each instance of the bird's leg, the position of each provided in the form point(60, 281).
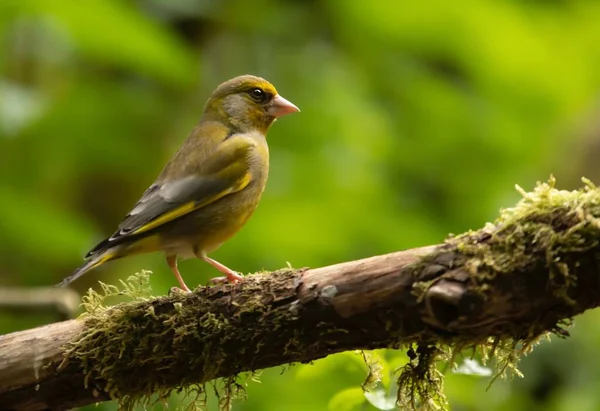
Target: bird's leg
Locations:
point(231, 275)
point(172, 262)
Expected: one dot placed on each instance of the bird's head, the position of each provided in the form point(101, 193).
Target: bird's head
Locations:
point(247, 103)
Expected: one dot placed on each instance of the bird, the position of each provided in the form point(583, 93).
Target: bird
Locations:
point(209, 188)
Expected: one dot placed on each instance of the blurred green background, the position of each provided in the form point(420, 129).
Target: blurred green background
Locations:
point(417, 120)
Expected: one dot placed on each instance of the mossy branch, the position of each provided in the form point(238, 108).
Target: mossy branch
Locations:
point(496, 290)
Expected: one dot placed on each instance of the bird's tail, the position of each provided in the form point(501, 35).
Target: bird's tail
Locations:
point(93, 262)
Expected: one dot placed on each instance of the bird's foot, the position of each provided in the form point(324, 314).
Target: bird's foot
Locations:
point(230, 277)
point(177, 290)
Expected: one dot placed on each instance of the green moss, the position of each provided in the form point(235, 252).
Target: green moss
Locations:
point(420, 383)
point(555, 222)
point(139, 352)
point(544, 228)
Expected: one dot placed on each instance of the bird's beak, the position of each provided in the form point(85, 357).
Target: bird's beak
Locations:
point(280, 107)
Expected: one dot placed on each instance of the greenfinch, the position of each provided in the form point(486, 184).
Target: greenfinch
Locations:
point(210, 187)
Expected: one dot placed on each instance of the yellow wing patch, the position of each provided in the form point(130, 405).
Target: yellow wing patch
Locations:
point(166, 217)
point(106, 256)
point(192, 206)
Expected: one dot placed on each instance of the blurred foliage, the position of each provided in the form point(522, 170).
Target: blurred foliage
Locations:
point(417, 120)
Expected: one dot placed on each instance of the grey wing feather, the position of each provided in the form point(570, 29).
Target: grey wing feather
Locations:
point(159, 199)
point(221, 172)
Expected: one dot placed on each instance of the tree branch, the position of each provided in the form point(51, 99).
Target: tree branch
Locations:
point(64, 301)
point(536, 267)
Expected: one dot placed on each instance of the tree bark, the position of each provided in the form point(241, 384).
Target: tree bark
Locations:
point(517, 280)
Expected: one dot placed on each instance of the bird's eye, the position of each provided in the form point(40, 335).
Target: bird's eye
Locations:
point(258, 94)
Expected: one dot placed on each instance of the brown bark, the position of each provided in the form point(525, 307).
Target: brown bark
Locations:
point(64, 302)
point(516, 281)
point(29, 359)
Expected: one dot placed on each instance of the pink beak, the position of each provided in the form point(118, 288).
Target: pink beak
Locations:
point(280, 107)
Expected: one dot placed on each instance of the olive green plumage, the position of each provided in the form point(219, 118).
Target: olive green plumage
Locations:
point(210, 187)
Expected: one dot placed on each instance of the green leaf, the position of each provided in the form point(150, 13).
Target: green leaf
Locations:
point(347, 400)
point(381, 399)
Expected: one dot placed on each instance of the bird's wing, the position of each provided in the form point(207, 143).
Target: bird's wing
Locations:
point(224, 172)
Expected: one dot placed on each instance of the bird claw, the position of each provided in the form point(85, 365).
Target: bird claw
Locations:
point(232, 278)
point(218, 280)
point(177, 290)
